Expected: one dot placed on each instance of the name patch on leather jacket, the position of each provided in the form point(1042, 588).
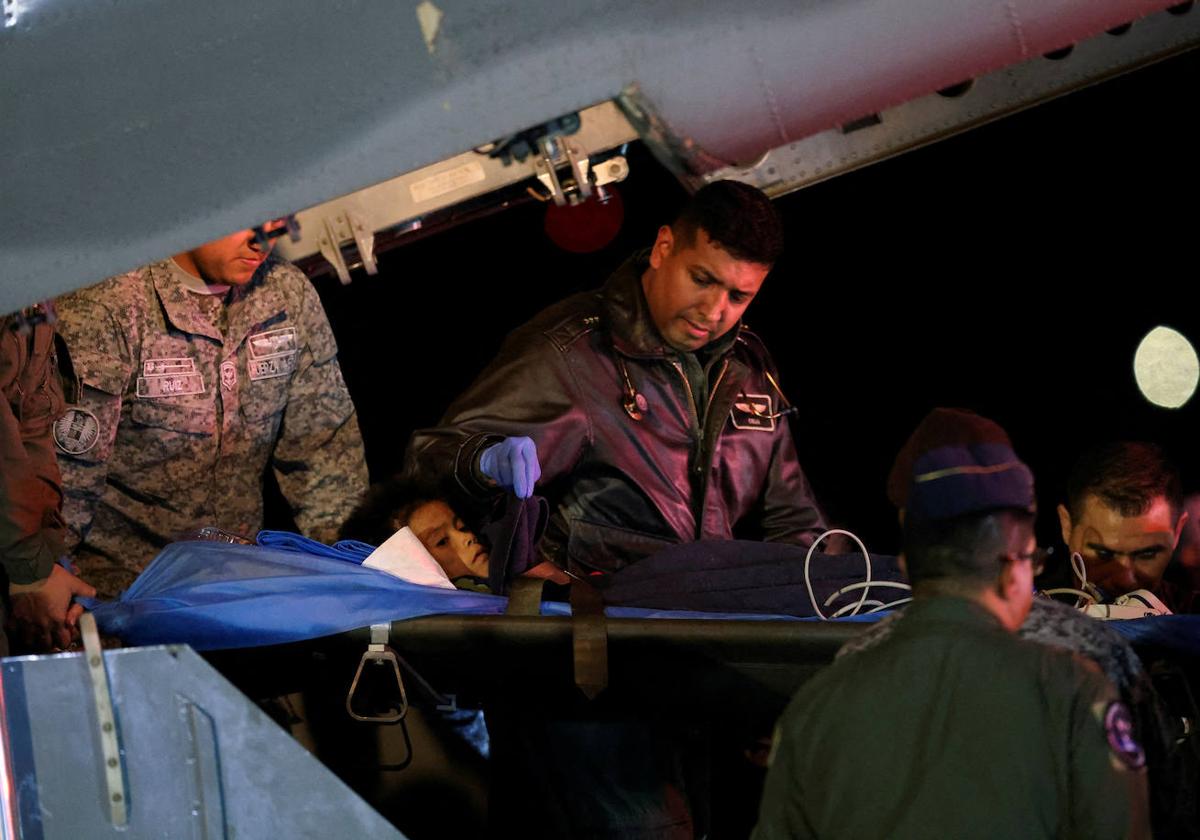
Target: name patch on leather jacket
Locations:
point(753, 412)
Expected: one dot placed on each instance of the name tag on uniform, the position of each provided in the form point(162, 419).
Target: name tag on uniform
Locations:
point(274, 366)
point(160, 367)
point(170, 385)
point(753, 412)
point(278, 342)
point(272, 353)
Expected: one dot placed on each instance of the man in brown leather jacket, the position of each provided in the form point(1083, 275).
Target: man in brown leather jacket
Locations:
point(644, 411)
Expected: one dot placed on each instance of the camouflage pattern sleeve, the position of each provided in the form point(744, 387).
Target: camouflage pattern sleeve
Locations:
point(318, 458)
point(85, 436)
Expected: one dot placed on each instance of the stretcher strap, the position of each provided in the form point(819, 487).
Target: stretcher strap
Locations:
point(589, 636)
point(525, 596)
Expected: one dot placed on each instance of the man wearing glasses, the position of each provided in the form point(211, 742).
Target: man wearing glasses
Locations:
point(197, 373)
point(952, 726)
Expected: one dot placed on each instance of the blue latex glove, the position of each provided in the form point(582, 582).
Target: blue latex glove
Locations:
point(512, 464)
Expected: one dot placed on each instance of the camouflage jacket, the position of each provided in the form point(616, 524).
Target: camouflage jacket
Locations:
point(186, 399)
point(31, 527)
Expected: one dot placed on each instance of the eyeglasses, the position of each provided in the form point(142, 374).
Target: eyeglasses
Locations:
point(1037, 560)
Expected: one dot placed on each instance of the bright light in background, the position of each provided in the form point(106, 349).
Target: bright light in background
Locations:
point(1166, 367)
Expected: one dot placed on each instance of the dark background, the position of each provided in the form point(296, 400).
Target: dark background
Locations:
point(1012, 270)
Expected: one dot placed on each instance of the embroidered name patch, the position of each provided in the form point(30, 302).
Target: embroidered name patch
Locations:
point(170, 385)
point(76, 431)
point(272, 367)
point(272, 353)
point(753, 412)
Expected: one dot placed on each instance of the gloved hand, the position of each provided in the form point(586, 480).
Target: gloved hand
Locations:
point(512, 464)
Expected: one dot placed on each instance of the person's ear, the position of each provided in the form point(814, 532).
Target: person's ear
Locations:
point(664, 243)
point(1064, 521)
point(1179, 526)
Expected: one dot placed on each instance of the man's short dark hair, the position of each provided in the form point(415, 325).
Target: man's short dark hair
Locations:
point(962, 554)
point(736, 216)
point(386, 508)
point(1126, 476)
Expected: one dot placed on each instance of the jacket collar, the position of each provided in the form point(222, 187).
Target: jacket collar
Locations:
point(947, 609)
point(178, 303)
point(247, 310)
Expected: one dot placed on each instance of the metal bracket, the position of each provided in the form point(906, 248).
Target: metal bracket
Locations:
point(339, 229)
point(110, 746)
point(378, 653)
point(574, 185)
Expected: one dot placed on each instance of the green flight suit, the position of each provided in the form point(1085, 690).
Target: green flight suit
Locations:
point(953, 727)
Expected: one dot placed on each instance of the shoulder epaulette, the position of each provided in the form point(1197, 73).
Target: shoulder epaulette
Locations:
point(571, 329)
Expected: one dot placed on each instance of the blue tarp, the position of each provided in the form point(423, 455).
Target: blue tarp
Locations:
point(214, 595)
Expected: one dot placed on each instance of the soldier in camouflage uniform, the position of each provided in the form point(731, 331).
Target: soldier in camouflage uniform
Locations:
point(197, 373)
point(31, 526)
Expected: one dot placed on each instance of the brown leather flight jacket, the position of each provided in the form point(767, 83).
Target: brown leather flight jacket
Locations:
point(622, 488)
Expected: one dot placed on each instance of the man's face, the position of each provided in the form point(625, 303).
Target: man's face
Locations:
point(1122, 553)
point(230, 260)
point(697, 292)
point(456, 549)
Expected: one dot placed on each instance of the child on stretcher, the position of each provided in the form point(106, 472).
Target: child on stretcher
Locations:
point(396, 503)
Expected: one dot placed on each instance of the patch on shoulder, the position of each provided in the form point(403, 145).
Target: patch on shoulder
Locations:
point(1118, 729)
point(76, 431)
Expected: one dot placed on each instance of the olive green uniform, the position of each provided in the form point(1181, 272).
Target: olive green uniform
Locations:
point(953, 727)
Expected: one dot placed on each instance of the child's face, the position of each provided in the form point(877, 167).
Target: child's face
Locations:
point(455, 549)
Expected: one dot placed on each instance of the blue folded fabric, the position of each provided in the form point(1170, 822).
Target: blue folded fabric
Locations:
point(214, 596)
point(350, 550)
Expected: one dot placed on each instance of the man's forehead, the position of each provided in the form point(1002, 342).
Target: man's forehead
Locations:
point(708, 255)
point(1104, 525)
